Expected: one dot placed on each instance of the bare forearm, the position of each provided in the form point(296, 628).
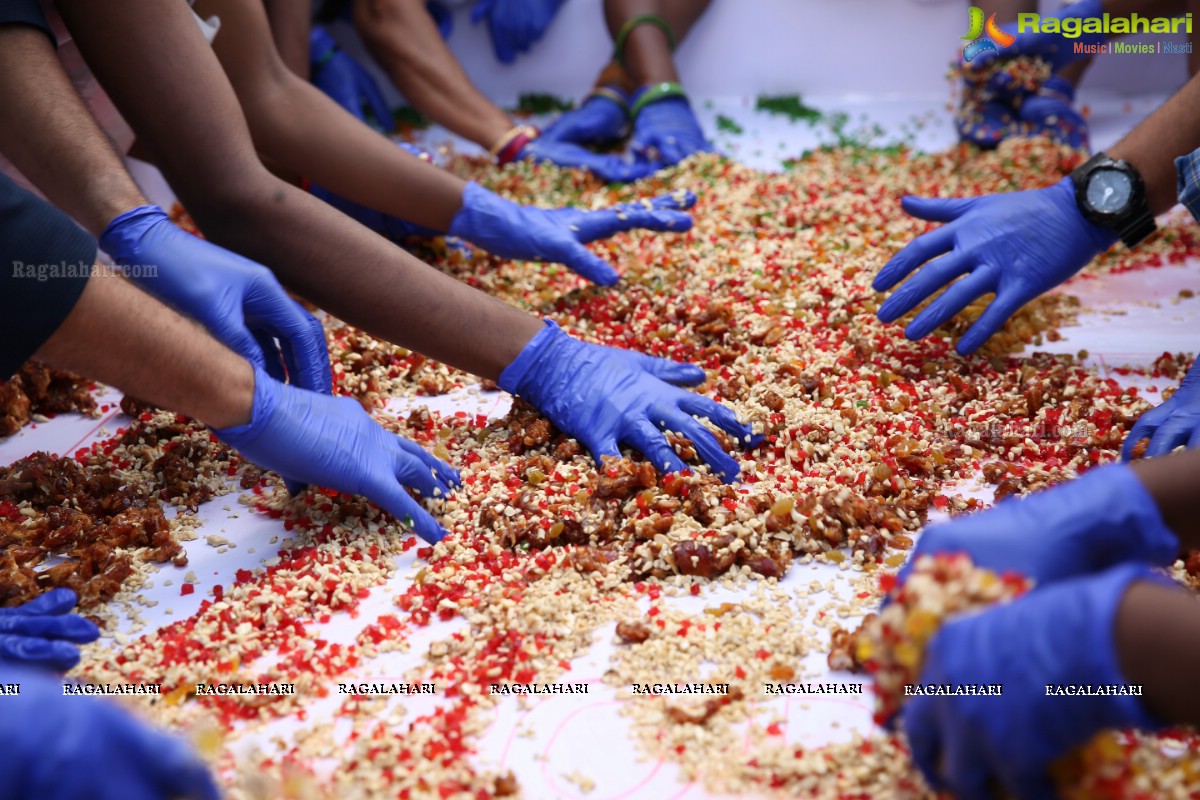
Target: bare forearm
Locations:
point(1173, 482)
point(404, 39)
point(291, 24)
point(121, 336)
point(647, 50)
point(1171, 131)
point(295, 126)
point(1158, 646)
point(51, 137)
point(143, 51)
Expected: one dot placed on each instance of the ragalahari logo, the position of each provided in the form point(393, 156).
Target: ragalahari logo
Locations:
point(978, 43)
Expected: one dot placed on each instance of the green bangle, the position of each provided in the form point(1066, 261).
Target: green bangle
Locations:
point(642, 19)
point(656, 92)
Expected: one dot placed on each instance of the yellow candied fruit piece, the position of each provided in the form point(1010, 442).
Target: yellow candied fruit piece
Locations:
point(555, 531)
point(921, 624)
point(895, 559)
point(864, 649)
point(177, 696)
point(908, 655)
point(783, 506)
point(441, 452)
point(835, 556)
point(535, 476)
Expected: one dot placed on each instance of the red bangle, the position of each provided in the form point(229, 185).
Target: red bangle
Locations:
point(516, 144)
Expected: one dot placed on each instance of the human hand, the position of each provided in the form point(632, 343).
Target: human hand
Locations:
point(666, 132)
point(62, 748)
point(1175, 423)
point(559, 234)
point(332, 441)
point(238, 301)
point(604, 396)
point(608, 168)
point(601, 119)
point(515, 25)
point(1016, 245)
point(1054, 48)
point(1104, 518)
point(1061, 634)
point(41, 633)
point(338, 75)
point(1049, 111)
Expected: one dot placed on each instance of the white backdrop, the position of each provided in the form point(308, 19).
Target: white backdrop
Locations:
point(819, 48)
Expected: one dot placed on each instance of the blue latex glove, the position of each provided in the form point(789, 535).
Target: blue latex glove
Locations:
point(443, 17)
point(1054, 48)
point(608, 168)
point(82, 748)
point(1049, 112)
point(666, 132)
point(237, 300)
point(599, 120)
point(331, 441)
point(1016, 245)
point(986, 123)
point(338, 75)
point(1104, 518)
point(559, 234)
point(515, 25)
point(603, 396)
point(1175, 423)
point(41, 633)
point(1062, 634)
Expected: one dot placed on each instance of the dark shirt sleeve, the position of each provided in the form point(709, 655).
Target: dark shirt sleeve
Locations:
point(45, 262)
point(26, 12)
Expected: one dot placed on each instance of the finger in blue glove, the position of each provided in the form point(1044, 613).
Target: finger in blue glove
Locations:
point(61, 748)
point(1175, 423)
point(332, 441)
point(606, 397)
point(666, 131)
point(558, 235)
point(600, 120)
point(238, 301)
point(1059, 634)
point(609, 168)
point(1049, 112)
point(1099, 520)
point(1016, 246)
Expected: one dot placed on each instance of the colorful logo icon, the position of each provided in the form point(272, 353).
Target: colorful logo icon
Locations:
point(979, 43)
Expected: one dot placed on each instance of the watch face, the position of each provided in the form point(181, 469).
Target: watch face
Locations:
point(1109, 191)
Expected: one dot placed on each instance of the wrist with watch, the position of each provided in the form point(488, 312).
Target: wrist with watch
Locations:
point(1111, 194)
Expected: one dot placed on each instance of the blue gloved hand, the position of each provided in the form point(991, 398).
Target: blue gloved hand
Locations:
point(604, 396)
point(599, 120)
point(1104, 518)
point(331, 441)
point(515, 25)
point(41, 633)
point(1054, 48)
point(608, 168)
point(338, 75)
point(1049, 112)
point(1016, 245)
point(666, 132)
point(83, 748)
point(986, 123)
point(1060, 634)
point(559, 234)
point(237, 300)
point(1175, 423)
